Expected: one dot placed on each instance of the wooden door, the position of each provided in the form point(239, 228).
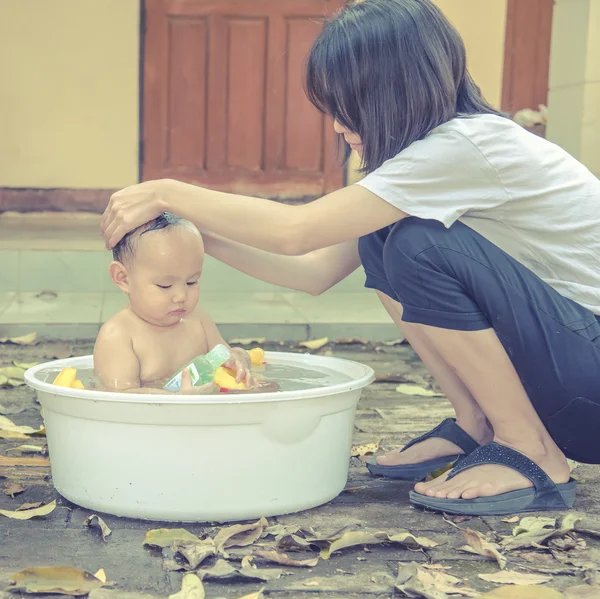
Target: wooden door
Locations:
point(224, 105)
point(527, 54)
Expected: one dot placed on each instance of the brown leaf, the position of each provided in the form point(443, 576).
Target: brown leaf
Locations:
point(41, 449)
point(395, 342)
point(96, 521)
point(224, 570)
point(440, 581)
point(101, 575)
point(367, 449)
point(522, 592)
point(195, 553)
point(29, 339)
point(61, 580)
point(12, 372)
point(482, 546)
point(534, 531)
point(315, 343)
point(511, 519)
point(12, 488)
point(257, 595)
point(416, 391)
point(239, 535)
point(352, 341)
point(163, 537)
point(284, 559)
point(191, 588)
point(8, 425)
point(28, 514)
point(510, 577)
point(12, 435)
point(25, 365)
point(29, 506)
point(359, 537)
point(248, 341)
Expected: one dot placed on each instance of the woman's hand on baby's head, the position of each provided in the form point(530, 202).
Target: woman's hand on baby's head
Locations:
point(241, 364)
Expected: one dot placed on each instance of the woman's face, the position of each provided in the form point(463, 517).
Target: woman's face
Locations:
point(352, 139)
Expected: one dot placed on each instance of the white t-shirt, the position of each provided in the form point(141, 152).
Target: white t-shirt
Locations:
point(521, 192)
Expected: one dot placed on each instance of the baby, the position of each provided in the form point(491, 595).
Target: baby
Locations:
point(162, 329)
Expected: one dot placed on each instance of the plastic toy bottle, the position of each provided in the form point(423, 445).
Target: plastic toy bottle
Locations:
point(202, 369)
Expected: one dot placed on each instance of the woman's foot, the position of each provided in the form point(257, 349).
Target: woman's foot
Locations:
point(489, 480)
point(436, 447)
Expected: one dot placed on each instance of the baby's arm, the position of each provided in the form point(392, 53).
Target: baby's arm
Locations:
point(115, 362)
point(240, 359)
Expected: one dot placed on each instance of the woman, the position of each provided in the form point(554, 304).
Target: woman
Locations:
point(480, 239)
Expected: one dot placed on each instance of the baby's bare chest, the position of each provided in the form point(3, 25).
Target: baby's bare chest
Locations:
point(162, 353)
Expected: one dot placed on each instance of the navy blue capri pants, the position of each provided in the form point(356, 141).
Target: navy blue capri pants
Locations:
point(456, 279)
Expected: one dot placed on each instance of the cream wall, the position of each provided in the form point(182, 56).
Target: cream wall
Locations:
point(69, 93)
point(482, 25)
point(574, 98)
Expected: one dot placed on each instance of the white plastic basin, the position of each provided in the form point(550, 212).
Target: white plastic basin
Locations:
point(201, 458)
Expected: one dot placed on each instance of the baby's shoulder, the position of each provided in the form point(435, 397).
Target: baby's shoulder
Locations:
point(119, 327)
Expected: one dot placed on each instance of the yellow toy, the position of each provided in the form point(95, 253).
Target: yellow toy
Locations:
point(225, 377)
point(67, 377)
point(257, 356)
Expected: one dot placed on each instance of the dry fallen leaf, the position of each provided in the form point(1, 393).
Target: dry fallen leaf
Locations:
point(29, 506)
point(61, 580)
point(284, 559)
point(12, 372)
point(224, 570)
point(191, 588)
point(311, 583)
point(352, 341)
point(195, 553)
point(510, 577)
point(482, 546)
point(28, 514)
point(240, 535)
point(315, 343)
point(511, 519)
point(445, 583)
point(163, 537)
point(96, 521)
point(12, 488)
point(534, 531)
point(523, 592)
point(25, 365)
point(367, 449)
point(8, 425)
point(12, 435)
point(417, 391)
point(394, 342)
point(248, 341)
point(101, 575)
point(28, 449)
point(29, 339)
point(257, 595)
point(361, 538)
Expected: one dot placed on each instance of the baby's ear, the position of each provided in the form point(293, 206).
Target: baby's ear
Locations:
point(119, 276)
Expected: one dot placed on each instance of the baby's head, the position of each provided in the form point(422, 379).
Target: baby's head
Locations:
point(158, 265)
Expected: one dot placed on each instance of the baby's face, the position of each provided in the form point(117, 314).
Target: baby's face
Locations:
point(164, 275)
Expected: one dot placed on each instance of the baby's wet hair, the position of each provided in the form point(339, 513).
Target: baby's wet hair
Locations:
point(125, 250)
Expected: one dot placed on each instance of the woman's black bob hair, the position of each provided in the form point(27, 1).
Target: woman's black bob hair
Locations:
point(391, 71)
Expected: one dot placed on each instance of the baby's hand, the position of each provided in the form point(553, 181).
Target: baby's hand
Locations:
point(188, 389)
point(241, 364)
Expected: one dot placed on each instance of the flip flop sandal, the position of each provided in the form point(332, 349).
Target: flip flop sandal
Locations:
point(449, 430)
point(544, 495)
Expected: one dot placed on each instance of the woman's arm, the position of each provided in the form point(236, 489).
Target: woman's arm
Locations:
point(313, 273)
point(340, 216)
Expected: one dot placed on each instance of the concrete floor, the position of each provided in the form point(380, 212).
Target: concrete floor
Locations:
point(369, 503)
